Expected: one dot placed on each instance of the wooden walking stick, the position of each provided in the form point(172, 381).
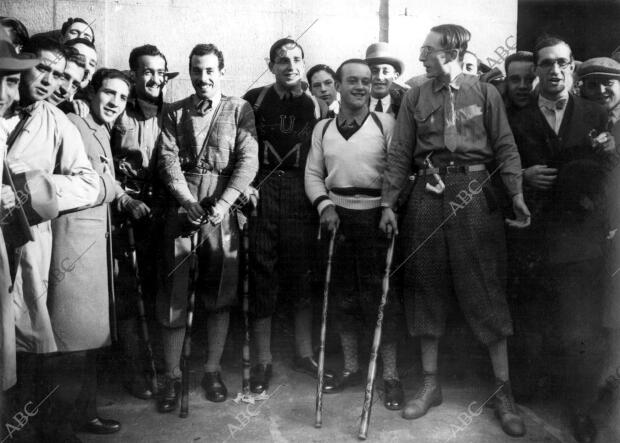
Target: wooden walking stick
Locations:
point(318, 421)
point(141, 311)
point(245, 384)
point(372, 365)
point(187, 340)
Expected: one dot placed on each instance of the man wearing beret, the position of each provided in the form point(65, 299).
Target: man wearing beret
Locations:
point(385, 94)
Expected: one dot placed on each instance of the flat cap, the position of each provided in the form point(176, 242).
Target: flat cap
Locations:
point(599, 67)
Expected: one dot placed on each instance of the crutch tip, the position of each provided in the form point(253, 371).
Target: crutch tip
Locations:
point(183, 414)
point(361, 436)
point(318, 425)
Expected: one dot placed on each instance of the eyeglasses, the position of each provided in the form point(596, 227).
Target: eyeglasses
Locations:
point(548, 63)
point(425, 51)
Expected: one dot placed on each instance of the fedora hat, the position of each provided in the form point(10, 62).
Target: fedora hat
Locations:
point(10, 60)
point(379, 53)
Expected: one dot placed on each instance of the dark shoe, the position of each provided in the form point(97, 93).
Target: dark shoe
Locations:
point(394, 395)
point(584, 429)
point(506, 411)
point(169, 398)
point(260, 377)
point(214, 387)
point(346, 378)
point(308, 365)
point(139, 387)
point(428, 395)
point(102, 426)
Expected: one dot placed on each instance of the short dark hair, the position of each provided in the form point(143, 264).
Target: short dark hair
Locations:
point(350, 61)
point(75, 57)
point(138, 52)
point(66, 25)
point(21, 33)
point(81, 41)
point(280, 43)
point(318, 68)
point(206, 49)
point(519, 56)
point(40, 43)
point(546, 40)
point(103, 74)
point(453, 37)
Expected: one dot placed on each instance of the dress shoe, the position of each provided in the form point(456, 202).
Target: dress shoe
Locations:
point(169, 398)
point(308, 365)
point(428, 395)
point(584, 429)
point(394, 395)
point(506, 411)
point(346, 378)
point(260, 377)
point(102, 426)
point(139, 386)
point(214, 387)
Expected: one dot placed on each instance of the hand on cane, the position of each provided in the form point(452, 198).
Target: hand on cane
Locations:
point(329, 219)
point(388, 222)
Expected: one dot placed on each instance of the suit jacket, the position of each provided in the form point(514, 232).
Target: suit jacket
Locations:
point(78, 283)
point(539, 145)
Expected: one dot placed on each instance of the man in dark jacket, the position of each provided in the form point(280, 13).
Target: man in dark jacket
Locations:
point(385, 94)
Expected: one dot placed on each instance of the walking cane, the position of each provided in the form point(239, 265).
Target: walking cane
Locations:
point(318, 421)
point(112, 301)
point(245, 384)
point(187, 340)
point(372, 365)
point(141, 311)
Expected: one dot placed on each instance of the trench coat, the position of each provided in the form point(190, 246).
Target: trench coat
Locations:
point(78, 288)
point(48, 142)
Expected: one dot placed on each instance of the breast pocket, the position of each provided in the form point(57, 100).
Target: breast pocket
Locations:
point(429, 120)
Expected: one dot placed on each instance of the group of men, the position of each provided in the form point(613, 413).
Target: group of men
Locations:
point(444, 166)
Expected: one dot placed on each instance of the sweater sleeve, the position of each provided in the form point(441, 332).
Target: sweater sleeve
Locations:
point(315, 173)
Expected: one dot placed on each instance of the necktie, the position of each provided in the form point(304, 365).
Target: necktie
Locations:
point(560, 104)
point(450, 134)
point(379, 106)
point(287, 97)
point(203, 106)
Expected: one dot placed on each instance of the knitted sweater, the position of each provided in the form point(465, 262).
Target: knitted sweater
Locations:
point(348, 173)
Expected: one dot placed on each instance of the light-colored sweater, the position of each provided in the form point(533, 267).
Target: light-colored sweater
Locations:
point(348, 173)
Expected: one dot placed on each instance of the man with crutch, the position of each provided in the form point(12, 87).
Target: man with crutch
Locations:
point(208, 156)
point(343, 180)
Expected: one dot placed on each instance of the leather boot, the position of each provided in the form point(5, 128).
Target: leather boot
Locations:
point(428, 395)
point(506, 410)
point(169, 398)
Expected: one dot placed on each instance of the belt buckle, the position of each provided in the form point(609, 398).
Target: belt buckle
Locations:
point(452, 169)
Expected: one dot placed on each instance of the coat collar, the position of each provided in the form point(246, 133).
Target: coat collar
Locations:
point(101, 133)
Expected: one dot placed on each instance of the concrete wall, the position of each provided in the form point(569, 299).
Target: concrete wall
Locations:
point(333, 30)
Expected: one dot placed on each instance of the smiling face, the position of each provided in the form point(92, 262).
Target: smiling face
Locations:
point(91, 62)
point(603, 90)
point(9, 90)
point(355, 86)
point(110, 100)
point(288, 66)
point(206, 76)
point(78, 30)
point(383, 75)
point(520, 82)
point(555, 70)
point(323, 86)
point(69, 85)
point(150, 77)
point(40, 82)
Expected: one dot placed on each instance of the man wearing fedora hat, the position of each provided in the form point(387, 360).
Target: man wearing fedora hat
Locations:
point(44, 140)
point(385, 94)
point(133, 140)
point(11, 65)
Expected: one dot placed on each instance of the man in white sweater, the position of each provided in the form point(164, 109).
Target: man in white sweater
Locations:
point(343, 182)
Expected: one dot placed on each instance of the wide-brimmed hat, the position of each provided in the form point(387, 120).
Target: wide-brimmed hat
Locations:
point(380, 52)
point(599, 67)
point(10, 60)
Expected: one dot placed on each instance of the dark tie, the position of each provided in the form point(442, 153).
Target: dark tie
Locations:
point(379, 106)
point(348, 129)
point(560, 104)
point(287, 97)
point(203, 106)
point(450, 133)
